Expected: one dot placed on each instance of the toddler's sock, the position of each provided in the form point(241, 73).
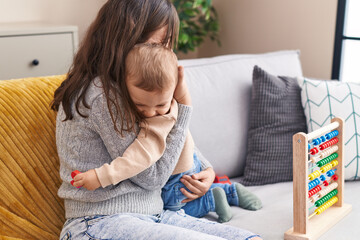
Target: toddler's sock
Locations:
point(247, 199)
point(222, 207)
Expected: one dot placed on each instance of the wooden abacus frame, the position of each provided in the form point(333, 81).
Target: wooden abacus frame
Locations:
point(313, 228)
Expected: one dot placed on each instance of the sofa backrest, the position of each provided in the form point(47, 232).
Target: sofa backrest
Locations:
point(30, 207)
point(221, 90)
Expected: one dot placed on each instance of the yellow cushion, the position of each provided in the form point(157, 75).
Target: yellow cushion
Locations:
point(29, 164)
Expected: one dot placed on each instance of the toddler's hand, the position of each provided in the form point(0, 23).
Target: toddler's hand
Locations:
point(88, 180)
point(182, 94)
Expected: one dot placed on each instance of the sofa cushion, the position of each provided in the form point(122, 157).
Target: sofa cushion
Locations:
point(29, 164)
point(220, 88)
point(276, 215)
point(276, 115)
point(324, 100)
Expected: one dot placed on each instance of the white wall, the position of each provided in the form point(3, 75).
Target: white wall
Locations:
point(77, 12)
point(22, 10)
point(72, 12)
point(247, 26)
point(256, 26)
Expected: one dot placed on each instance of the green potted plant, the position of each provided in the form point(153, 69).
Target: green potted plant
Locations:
point(198, 20)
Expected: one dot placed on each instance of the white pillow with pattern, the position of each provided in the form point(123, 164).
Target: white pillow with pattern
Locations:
point(323, 100)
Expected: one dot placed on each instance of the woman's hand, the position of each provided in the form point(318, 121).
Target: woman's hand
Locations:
point(198, 184)
point(88, 180)
point(182, 94)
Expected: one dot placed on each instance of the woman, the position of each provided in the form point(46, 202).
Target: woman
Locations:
point(96, 123)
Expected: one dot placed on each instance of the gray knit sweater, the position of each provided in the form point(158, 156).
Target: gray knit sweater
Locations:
point(88, 143)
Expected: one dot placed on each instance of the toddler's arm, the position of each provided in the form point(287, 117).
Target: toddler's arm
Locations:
point(147, 148)
point(204, 162)
point(199, 183)
point(158, 174)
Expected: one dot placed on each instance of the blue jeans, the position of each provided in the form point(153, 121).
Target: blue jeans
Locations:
point(172, 196)
point(167, 225)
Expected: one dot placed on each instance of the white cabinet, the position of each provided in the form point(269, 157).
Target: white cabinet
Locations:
point(34, 50)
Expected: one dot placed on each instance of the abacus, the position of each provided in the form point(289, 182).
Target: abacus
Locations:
point(318, 181)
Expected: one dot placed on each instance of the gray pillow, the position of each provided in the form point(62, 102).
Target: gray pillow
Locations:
point(276, 114)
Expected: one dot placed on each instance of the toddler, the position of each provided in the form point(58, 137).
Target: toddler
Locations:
point(151, 79)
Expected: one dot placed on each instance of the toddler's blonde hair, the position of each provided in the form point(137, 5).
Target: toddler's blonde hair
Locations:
point(152, 67)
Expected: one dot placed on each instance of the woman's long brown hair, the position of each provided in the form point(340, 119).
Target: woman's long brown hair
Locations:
point(119, 25)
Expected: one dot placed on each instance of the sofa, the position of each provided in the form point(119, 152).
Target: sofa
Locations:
point(223, 126)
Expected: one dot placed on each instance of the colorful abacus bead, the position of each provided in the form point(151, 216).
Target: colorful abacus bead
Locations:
point(319, 140)
point(322, 178)
point(329, 151)
point(314, 151)
point(326, 160)
point(331, 134)
point(314, 175)
point(326, 198)
point(316, 141)
point(326, 205)
point(323, 192)
point(329, 166)
point(314, 190)
point(328, 189)
point(326, 168)
point(314, 159)
point(330, 173)
point(329, 143)
point(313, 183)
point(334, 163)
